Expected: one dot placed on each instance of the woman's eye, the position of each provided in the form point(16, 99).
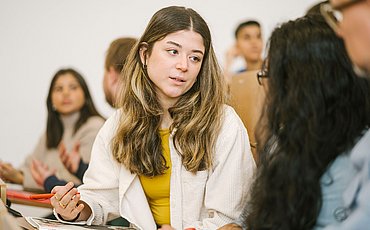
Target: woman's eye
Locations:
point(195, 59)
point(73, 87)
point(58, 89)
point(172, 52)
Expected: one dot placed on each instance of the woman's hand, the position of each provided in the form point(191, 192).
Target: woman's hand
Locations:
point(230, 227)
point(9, 174)
point(40, 172)
point(66, 202)
point(72, 159)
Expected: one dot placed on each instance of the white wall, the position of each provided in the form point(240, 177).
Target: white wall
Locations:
point(40, 36)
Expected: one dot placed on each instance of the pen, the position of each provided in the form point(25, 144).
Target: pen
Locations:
point(43, 196)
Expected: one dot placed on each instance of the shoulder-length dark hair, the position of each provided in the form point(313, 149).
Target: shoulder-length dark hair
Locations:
point(316, 109)
point(54, 127)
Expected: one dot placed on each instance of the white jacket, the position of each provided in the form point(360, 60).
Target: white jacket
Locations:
point(207, 200)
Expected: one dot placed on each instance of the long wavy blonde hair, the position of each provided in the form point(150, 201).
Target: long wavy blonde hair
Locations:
point(197, 115)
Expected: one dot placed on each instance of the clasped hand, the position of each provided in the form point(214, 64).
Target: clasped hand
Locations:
point(40, 172)
point(9, 174)
point(70, 159)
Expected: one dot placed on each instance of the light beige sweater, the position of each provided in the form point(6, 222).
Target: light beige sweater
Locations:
point(85, 135)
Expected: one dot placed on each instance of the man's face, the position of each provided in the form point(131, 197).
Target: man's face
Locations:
point(355, 30)
point(249, 42)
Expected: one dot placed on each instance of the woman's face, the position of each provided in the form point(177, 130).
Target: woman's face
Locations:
point(174, 64)
point(67, 96)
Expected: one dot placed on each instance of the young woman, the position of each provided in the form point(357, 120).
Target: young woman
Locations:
point(72, 121)
point(316, 110)
point(174, 156)
point(115, 58)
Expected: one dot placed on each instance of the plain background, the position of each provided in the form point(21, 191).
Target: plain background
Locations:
point(39, 37)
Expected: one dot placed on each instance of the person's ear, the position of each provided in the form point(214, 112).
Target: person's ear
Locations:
point(113, 75)
point(143, 52)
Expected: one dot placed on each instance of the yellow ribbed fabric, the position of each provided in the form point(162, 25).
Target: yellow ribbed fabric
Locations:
point(157, 189)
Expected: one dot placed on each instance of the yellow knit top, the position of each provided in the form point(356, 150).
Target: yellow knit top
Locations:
point(157, 189)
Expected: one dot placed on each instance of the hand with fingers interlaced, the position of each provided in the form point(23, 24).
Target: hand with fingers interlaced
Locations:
point(68, 205)
point(71, 160)
point(10, 174)
point(40, 172)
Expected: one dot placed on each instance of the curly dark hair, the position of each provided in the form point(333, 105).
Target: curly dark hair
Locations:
point(316, 108)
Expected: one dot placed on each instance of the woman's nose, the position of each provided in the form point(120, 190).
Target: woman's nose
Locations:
point(66, 91)
point(182, 63)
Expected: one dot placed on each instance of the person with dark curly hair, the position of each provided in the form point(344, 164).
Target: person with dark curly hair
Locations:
point(316, 112)
point(350, 19)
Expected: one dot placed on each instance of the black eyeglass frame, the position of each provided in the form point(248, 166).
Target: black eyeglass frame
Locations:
point(261, 74)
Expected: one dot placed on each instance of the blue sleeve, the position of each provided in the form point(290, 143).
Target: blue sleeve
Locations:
point(53, 181)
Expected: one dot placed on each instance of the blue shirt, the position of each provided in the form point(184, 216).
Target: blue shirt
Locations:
point(357, 195)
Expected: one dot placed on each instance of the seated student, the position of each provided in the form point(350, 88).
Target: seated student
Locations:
point(72, 119)
point(316, 110)
point(351, 21)
point(248, 45)
point(115, 59)
point(174, 156)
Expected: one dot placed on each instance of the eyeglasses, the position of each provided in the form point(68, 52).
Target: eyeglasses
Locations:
point(262, 74)
point(333, 14)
